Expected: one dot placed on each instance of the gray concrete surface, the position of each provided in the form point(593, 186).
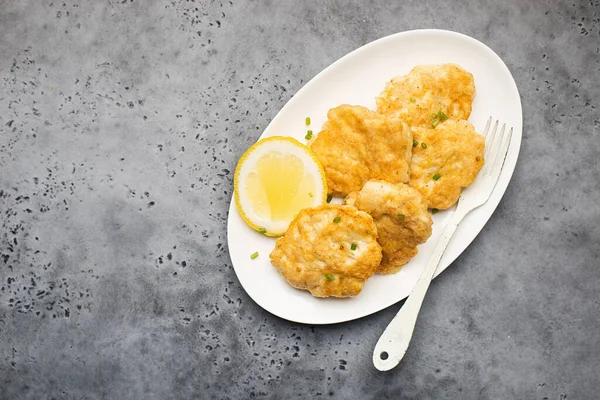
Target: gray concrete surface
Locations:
point(120, 125)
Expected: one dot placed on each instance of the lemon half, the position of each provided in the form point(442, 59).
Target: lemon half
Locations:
point(275, 179)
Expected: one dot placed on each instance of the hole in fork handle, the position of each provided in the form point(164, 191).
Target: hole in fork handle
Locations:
point(384, 355)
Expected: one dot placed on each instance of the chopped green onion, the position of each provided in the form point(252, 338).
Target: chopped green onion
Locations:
point(413, 100)
point(337, 219)
point(415, 143)
point(434, 210)
point(254, 255)
point(262, 230)
point(401, 216)
point(442, 116)
point(423, 145)
point(434, 115)
point(435, 122)
point(310, 194)
point(329, 198)
point(329, 277)
point(353, 246)
point(368, 231)
point(436, 177)
point(307, 120)
point(308, 135)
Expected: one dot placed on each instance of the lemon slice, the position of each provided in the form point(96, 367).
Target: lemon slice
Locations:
point(275, 179)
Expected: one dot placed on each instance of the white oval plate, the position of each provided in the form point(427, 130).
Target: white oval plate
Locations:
point(357, 79)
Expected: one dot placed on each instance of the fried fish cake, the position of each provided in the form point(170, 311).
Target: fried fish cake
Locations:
point(427, 90)
point(357, 144)
point(445, 160)
point(329, 250)
point(402, 220)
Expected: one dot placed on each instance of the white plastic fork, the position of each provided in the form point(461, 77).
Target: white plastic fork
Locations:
point(394, 341)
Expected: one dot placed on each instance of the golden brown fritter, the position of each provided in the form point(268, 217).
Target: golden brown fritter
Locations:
point(445, 160)
point(357, 144)
point(329, 250)
point(428, 89)
point(402, 220)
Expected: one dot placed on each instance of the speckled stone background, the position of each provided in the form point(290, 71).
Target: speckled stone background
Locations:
point(120, 125)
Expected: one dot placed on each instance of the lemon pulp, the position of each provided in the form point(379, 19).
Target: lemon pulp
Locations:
point(279, 187)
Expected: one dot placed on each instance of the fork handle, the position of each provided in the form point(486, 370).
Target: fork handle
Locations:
point(393, 343)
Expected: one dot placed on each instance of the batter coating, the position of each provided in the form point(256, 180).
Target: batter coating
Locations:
point(357, 144)
point(427, 90)
point(445, 160)
point(329, 250)
point(402, 220)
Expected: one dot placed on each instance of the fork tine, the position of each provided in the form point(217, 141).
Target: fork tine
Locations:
point(489, 142)
point(495, 149)
point(500, 158)
point(486, 130)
